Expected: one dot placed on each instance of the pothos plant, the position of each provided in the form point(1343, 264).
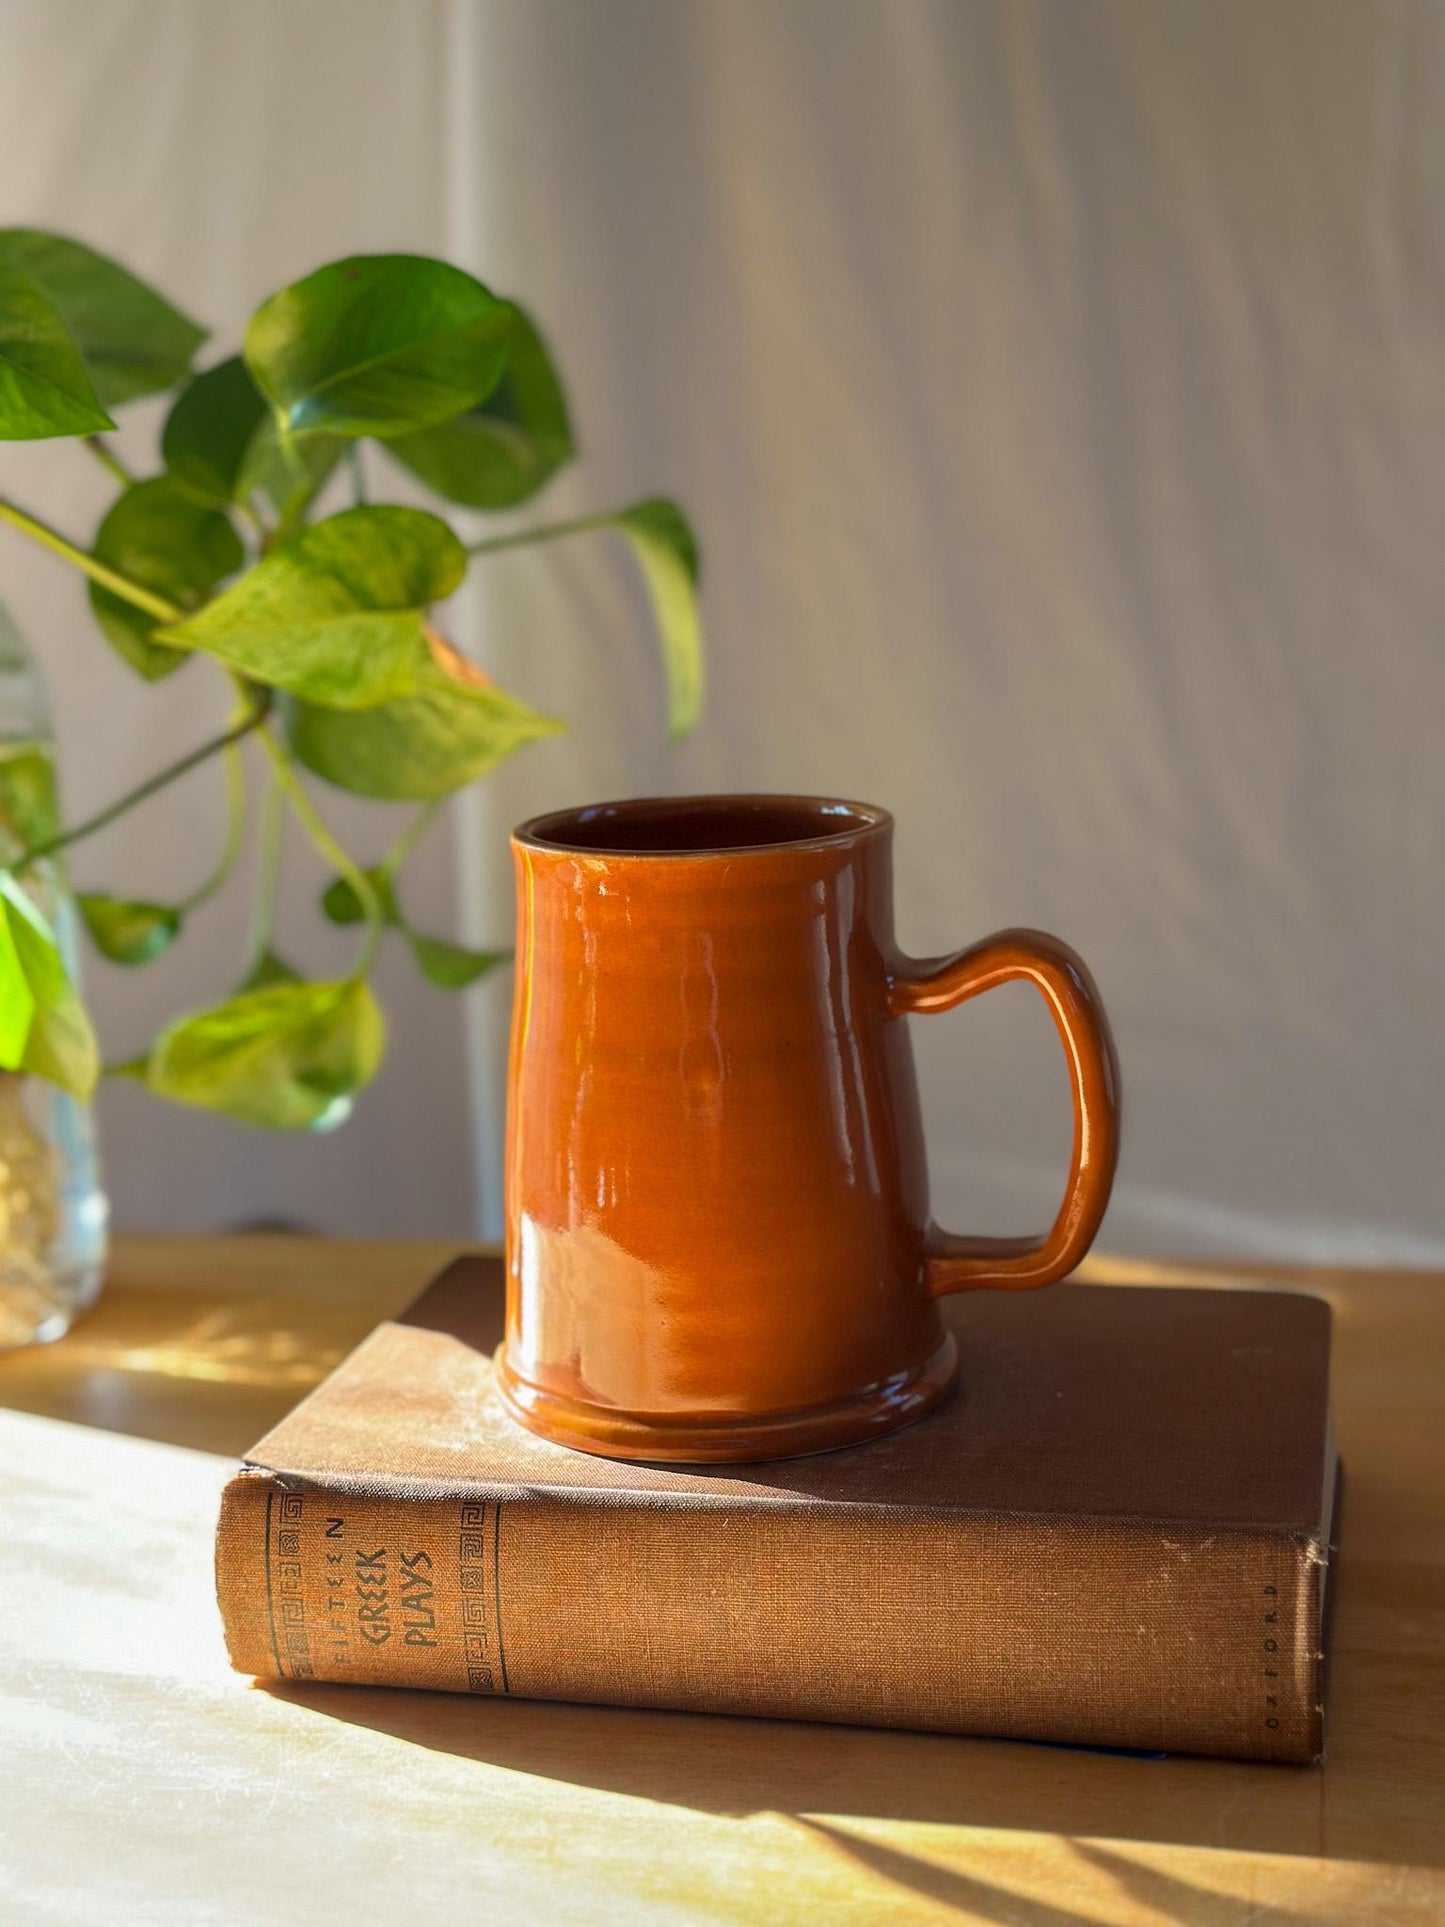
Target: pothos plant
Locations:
point(321, 622)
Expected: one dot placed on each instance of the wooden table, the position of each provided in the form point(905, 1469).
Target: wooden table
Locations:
point(141, 1781)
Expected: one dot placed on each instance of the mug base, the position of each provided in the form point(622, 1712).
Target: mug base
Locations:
point(733, 1438)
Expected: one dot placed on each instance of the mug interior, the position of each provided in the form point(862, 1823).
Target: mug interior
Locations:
point(701, 825)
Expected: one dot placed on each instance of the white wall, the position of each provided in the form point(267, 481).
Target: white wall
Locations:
point(1060, 394)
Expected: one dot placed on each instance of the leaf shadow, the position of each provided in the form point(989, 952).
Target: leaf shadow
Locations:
point(1165, 1893)
point(964, 1893)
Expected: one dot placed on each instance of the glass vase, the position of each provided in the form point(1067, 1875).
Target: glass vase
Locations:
point(53, 1213)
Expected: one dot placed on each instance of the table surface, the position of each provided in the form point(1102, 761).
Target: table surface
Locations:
point(141, 1781)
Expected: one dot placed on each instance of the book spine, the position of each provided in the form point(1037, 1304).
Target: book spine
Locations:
point(1102, 1635)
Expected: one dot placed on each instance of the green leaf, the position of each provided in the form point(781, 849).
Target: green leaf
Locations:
point(341, 904)
point(210, 429)
point(288, 470)
point(452, 966)
point(61, 1047)
point(292, 1056)
point(665, 546)
point(161, 538)
point(506, 448)
point(43, 1025)
point(129, 933)
point(268, 969)
point(131, 339)
point(29, 810)
point(335, 615)
point(17, 999)
point(44, 387)
point(136, 1069)
point(378, 344)
point(453, 726)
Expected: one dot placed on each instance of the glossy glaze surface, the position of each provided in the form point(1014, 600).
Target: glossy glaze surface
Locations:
point(718, 1235)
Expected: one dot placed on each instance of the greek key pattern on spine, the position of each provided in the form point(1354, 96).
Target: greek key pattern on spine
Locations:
point(289, 1593)
point(478, 1566)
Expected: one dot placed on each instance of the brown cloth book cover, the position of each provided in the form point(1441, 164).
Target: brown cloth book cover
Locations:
point(1116, 1533)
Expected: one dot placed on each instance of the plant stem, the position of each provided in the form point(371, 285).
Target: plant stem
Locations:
point(268, 874)
point(108, 459)
point(294, 510)
point(345, 865)
point(549, 533)
point(410, 837)
point(397, 855)
point(235, 832)
point(259, 528)
point(358, 475)
point(162, 780)
point(108, 578)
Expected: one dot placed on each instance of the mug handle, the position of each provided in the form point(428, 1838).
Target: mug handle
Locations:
point(954, 1263)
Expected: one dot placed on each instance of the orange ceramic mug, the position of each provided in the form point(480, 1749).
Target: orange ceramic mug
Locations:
point(718, 1237)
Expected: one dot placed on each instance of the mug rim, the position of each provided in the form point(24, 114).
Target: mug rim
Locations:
point(857, 821)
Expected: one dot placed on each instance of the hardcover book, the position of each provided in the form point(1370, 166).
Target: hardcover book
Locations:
point(1116, 1533)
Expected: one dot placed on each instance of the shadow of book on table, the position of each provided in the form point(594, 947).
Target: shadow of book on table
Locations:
point(825, 1776)
point(733, 1767)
